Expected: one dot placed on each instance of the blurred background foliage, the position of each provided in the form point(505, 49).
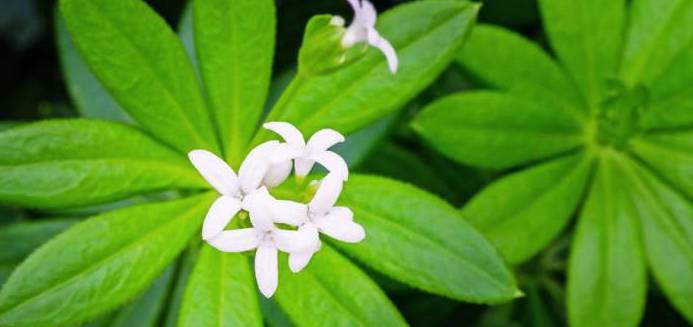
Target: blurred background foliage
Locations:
point(32, 87)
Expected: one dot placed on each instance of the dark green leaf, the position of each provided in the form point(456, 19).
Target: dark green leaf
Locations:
point(141, 62)
point(521, 213)
point(332, 291)
point(671, 155)
point(68, 163)
point(607, 278)
point(411, 234)
point(235, 42)
point(100, 263)
point(496, 130)
point(221, 291)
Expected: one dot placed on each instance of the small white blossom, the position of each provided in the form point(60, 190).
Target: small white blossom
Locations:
point(305, 155)
point(362, 29)
point(320, 215)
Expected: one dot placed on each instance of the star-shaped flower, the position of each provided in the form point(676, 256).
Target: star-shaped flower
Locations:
point(305, 155)
point(362, 29)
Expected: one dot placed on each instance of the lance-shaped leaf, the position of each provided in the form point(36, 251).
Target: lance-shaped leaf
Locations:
point(519, 213)
point(235, 45)
point(332, 291)
point(141, 62)
point(607, 278)
point(671, 155)
point(411, 234)
point(658, 31)
point(496, 130)
point(587, 37)
point(221, 291)
point(522, 68)
point(71, 163)
point(425, 35)
point(667, 231)
point(99, 264)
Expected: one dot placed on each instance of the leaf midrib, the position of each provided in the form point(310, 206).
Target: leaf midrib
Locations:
point(327, 290)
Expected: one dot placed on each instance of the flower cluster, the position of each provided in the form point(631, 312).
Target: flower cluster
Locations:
point(268, 165)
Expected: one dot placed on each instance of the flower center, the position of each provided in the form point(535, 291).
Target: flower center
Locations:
point(617, 119)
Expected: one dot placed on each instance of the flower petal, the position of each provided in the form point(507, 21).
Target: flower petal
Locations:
point(368, 14)
point(219, 215)
point(266, 272)
point(327, 194)
point(288, 132)
point(277, 173)
point(341, 228)
point(236, 240)
point(342, 213)
point(299, 260)
point(299, 240)
point(255, 166)
point(385, 47)
point(289, 212)
point(333, 162)
point(302, 166)
point(215, 171)
point(258, 205)
point(324, 139)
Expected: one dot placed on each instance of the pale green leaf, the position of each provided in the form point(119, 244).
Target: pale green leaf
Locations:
point(496, 130)
point(411, 234)
point(142, 63)
point(521, 213)
point(99, 264)
point(425, 35)
point(332, 291)
point(606, 276)
point(667, 231)
point(587, 38)
point(221, 291)
point(670, 154)
point(76, 162)
point(234, 42)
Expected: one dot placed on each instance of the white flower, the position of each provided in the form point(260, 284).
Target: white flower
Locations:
point(362, 29)
point(265, 237)
point(233, 189)
point(320, 215)
point(305, 154)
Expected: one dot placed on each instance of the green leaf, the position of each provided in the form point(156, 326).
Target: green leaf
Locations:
point(522, 68)
point(88, 95)
point(425, 35)
point(606, 277)
point(187, 36)
point(361, 143)
point(519, 213)
point(671, 155)
point(667, 231)
point(411, 234)
point(69, 163)
point(658, 31)
point(184, 267)
point(587, 36)
point(496, 130)
point(220, 292)
point(141, 62)
point(19, 239)
point(331, 291)
point(235, 45)
point(100, 263)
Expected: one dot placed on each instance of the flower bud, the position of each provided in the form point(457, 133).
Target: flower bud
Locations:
point(322, 51)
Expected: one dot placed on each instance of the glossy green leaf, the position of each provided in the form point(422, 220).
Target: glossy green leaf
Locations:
point(88, 95)
point(671, 155)
point(658, 31)
point(587, 37)
point(606, 277)
point(522, 68)
point(75, 162)
point(221, 291)
point(187, 36)
point(141, 62)
point(425, 35)
point(667, 231)
point(411, 234)
point(360, 144)
point(234, 42)
point(100, 263)
point(332, 291)
point(184, 267)
point(496, 130)
point(521, 213)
